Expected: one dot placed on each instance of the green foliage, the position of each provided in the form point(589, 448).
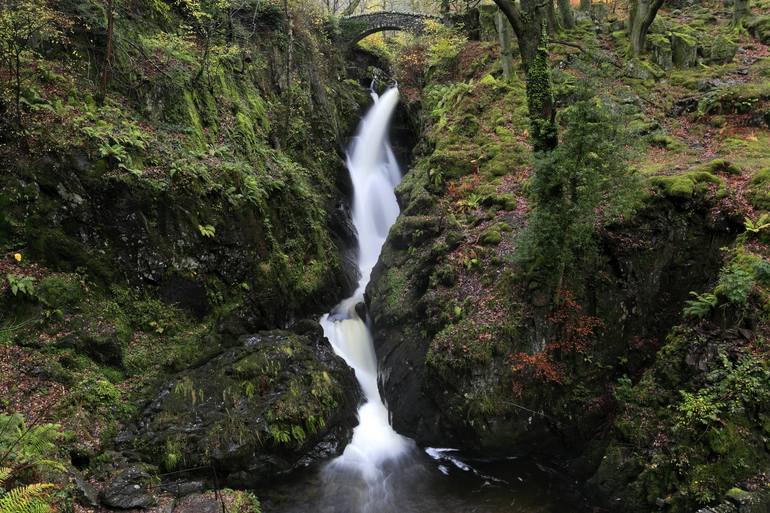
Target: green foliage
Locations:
point(540, 100)
point(700, 409)
point(761, 224)
point(568, 186)
point(443, 47)
point(24, 285)
point(115, 135)
point(735, 283)
point(244, 502)
point(24, 447)
point(28, 445)
point(701, 306)
point(207, 230)
point(30, 498)
point(26, 28)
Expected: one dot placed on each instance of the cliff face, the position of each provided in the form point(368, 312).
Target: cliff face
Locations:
point(146, 227)
point(477, 352)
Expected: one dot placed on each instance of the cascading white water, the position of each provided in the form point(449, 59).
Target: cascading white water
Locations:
point(381, 471)
point(375, 174)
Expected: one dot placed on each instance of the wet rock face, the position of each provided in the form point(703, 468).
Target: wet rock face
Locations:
point(275, 402)
point(121, 230)
point(646, 270)
point(128, 489)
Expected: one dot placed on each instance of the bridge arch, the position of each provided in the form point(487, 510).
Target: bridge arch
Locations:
point(355, 28)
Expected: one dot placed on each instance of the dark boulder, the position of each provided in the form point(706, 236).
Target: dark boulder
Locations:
point(129, 489)
point(276, 401)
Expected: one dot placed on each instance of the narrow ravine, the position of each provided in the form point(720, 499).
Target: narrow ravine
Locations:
point(381, 471)
point(375, 174)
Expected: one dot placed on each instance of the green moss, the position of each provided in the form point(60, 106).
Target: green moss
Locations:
point(719, 166)
point(194, 119)
point(490, 237)
point(734, 98)
point(662, 140)
point(455, 161)
point(60, 290)
point(723, 49)
point(685, 185)
point(759, 189)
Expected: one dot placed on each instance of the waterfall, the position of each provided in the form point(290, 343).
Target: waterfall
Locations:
point(381, 471)
point(375, 174)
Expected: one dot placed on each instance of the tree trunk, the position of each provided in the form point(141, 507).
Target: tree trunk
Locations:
point(741, 11)
point(107, 53)
point(444, 8)
point(527, 34)
point(585, 5)
point(530, 26)
point(553, 22)
point(567, 18)
point(17, 96)
point(351, 8)
point(506, 53)
point(641, 15)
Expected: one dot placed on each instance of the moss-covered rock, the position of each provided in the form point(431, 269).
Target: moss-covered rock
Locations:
point(723, 50)
point(684, 50)
point(734, 98)
point(494, 234)
point(662, 140)
point(723, 166)
point(759, 189)
point(273, 403)
point(660, 48)
point(686, 185)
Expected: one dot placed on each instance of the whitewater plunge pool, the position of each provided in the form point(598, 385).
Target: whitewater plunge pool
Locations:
point(421, 484)
point(381, 471)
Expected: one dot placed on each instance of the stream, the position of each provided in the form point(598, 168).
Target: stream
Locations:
point(381, 471)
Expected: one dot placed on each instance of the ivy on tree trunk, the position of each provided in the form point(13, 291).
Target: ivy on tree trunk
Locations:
point(529, 23)
point(542, 112)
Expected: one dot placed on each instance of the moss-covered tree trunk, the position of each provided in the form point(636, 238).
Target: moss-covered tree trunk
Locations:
point(567, 18)
point(641, 14)
point(553, 21)
point(741, 11)
point(530, 26)
point(542, 111)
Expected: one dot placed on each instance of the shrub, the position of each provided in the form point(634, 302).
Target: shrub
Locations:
point(568, 187)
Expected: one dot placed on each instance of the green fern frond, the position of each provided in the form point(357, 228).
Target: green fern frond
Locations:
point(5, 474)
point(26, 499)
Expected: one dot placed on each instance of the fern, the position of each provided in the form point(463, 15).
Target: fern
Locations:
point(763, 223)
point(20, 444)
point(701, 306)
point(5, 475)
point(26, 499)
point(25, 447)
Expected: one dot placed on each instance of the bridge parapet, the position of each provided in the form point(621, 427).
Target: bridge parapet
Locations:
point(355, 28)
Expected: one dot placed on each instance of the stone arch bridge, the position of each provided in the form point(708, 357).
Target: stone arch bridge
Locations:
point(355, 28)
